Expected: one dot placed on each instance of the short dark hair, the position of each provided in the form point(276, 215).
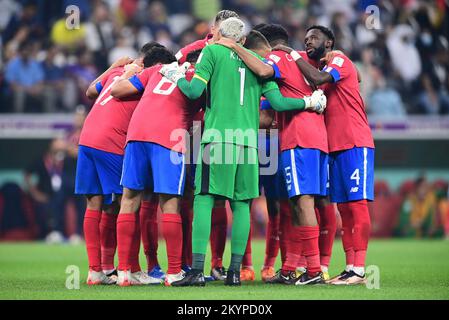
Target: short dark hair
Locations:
point(326, 31)
point(275, 33)
point(192, 56)
point(260, 26)
point(158, 55)
point(255, 40)
point(225, 14)
point(150, 45)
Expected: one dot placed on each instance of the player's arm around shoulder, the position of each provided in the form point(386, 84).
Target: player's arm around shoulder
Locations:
point(95, 87)
point(129, 83)
point(254, 63)
point(312, 74)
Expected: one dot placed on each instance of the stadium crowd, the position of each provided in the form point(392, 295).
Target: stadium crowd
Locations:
point(400, 46)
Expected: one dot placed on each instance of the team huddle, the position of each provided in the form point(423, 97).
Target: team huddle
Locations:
point(248, 93)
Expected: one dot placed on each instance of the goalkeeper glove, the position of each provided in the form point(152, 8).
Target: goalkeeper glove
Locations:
point(173, 72)
point(316, 102)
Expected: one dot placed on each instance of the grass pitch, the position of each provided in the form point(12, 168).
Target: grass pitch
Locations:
point(409, 269)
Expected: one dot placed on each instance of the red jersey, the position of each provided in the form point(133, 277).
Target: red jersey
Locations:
point(296, 128)
point(106, 124)
point(163, 112)
point(181, 55)
point(346, 121)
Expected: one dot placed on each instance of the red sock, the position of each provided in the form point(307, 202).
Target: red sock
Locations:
point(126, 230)
point(149, 231)
point(302, 262)
point(347, 225)
point(309, 236)
point(218, 236)
point(247, 257)
point(172, 231)
point(135, 248)
point(362, 229)
point(272, 241)
point(284, 225)
point(91, 228)
point(328, 227)
point(187, 217)
point(295, 249)
point(108, 239)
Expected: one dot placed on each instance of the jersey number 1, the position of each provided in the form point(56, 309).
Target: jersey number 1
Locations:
point(242, 84)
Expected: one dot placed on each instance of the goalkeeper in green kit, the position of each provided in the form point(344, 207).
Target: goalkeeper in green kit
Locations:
point(228, 165)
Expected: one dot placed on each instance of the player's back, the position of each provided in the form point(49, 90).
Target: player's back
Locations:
point(346, 120)
point(234, 93)
point(162, 110)
point(106, 125)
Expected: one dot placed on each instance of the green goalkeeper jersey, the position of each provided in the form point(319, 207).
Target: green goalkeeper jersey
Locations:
point(233, 97)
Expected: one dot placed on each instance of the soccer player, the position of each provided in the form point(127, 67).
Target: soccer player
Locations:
point(351, 146)
point(154, 159)
point(273, 185)
point(94, 173)
point(233, 107)
point(99, 166)
point(304, 160)
point(219, 215)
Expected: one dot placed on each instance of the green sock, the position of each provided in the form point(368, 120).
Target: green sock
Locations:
point(202, 209)
point(240, 226)
point(236, 262)
point(198, 261)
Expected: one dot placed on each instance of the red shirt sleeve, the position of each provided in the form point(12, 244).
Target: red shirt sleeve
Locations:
point(338, 67)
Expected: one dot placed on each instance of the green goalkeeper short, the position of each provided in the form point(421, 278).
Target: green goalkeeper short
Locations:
point(227, 170)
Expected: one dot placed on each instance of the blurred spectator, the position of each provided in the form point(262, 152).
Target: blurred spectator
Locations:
point(157, 19)
point(26, 17)
point(384, 100)
point(25, 76)
point(404, 55)
point(43, 180)
point(100, 36)
point(53, 80)
point(123, 48)
point(434, 98)
point(78, 77)
point(67, 190)
point(421, 208)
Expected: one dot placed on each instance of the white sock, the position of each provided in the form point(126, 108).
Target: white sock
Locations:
point(301, 269)
point(349, 267)
point(359, 271)
point(324, 269)
point(108, 271)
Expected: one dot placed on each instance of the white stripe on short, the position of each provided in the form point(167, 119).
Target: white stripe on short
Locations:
point(365, 162)
point(294, 173)
point(181, 178)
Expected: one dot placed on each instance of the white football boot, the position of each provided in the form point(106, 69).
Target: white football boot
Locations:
point(141, 278)
point(97, 278)
point(170, 278)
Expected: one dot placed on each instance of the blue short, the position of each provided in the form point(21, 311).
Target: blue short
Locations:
point(351, 175)
point(273, 184)
point(305, 171)
point(98, 172)
point(151, 166)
